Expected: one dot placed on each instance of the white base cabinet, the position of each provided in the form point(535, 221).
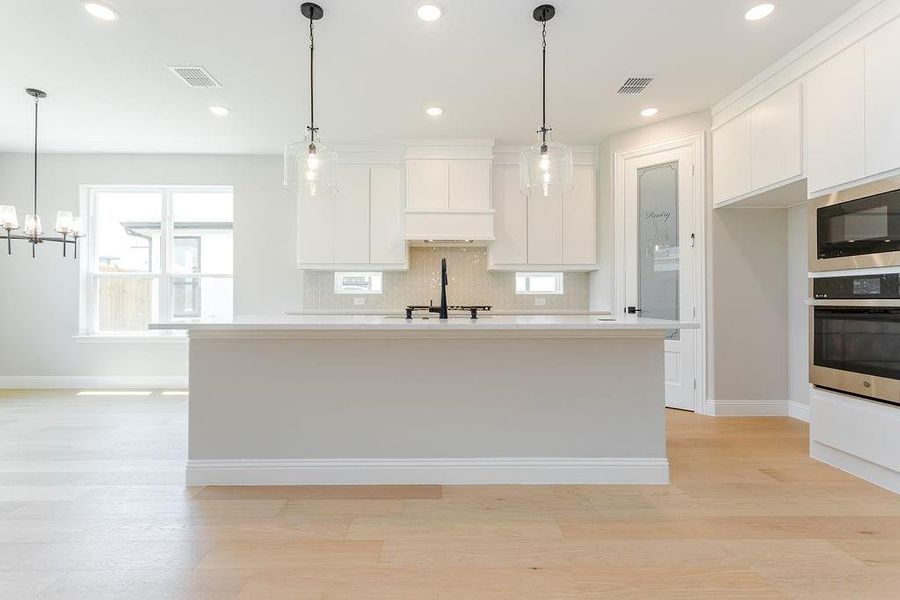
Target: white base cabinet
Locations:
point(359, 228)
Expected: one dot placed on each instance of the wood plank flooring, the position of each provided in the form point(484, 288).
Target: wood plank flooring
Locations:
point(92, 505)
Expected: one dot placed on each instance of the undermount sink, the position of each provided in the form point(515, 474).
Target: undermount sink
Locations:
point(435, 317)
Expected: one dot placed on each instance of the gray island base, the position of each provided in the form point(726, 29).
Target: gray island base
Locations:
point(377, 400)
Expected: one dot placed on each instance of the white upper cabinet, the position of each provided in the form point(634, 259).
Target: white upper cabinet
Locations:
point(359, 228)
point(510, 223)
point(580, 219)
point(386, 245)
point(835, 121)
point(776, 139)
point(731, 159)
point(882, 99)
point(428, 185)
point(545, 229)
point(351, 216)
point(557, 232)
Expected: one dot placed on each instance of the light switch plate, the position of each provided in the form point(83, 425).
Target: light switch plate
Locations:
point(540, 301)
point(359, 301)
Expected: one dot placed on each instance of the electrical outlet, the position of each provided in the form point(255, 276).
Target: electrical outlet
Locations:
point(540, 301)
point(359, 301)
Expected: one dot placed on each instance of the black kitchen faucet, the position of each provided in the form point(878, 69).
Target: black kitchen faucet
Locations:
point(442, 309)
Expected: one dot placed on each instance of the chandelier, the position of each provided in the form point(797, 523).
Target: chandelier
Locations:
point(68, 226)
point(545, 166)
point(309, 167)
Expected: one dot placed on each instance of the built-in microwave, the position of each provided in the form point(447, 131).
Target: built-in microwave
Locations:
point(855, 335)
point(856, 228)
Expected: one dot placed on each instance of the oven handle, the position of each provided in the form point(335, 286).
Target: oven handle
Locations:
point(858, 302)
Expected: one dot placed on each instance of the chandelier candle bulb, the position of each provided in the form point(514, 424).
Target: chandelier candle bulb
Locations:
point(33, 225)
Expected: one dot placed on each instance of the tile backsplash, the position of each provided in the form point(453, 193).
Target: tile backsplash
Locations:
point(470, 283)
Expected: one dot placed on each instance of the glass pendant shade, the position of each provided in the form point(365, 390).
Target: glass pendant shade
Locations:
point(63, 222)
point(310, 169)
point(8, 218)
point(545, 168)
point(33, 225)
point(75, 227)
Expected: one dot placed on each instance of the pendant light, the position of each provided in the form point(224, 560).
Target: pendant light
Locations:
point(68, 226)
point(545, 166)
point(310, 169)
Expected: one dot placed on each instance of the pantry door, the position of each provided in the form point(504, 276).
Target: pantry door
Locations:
point(660, 258)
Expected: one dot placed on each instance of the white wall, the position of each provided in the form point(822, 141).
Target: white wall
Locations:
point(39, 303)
point(798, 311)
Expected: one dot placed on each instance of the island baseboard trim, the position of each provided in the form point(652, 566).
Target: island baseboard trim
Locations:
point(474, 471)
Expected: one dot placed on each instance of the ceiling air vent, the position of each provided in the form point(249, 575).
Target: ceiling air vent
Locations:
point(195, 77)
point(635, 85)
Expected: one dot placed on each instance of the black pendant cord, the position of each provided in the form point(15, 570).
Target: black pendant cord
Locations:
point(544, 87)
point(312, 97)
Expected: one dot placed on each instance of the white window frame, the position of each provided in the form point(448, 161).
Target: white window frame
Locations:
point(526, 276)
point(339, 289)
point(88, 315)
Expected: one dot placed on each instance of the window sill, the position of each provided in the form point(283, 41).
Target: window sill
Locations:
point(136, 338)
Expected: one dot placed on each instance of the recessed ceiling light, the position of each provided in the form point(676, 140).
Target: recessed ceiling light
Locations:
point(429, 12)
point(101, 11)
point(649, 112)
point(434, 111)
point(760, 11)
point(219, 111)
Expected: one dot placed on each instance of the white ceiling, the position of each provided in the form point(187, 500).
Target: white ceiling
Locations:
point(378, 67)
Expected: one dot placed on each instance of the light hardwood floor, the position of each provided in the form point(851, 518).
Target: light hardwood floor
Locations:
point(92, 505)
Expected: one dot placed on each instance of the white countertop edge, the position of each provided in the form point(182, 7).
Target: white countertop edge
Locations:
point(358, 325)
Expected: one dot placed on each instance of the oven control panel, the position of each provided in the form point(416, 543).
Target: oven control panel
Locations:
point(885, 285)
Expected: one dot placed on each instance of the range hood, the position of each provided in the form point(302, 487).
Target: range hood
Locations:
point(448, 192)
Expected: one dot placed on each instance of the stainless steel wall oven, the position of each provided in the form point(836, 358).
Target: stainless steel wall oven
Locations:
point(855, 335)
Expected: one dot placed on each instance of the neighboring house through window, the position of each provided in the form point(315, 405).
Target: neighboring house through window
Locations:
point(156, 254)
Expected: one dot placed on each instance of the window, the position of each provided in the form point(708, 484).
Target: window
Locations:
point(357, 283)
point(157, 254)
point(539, 283)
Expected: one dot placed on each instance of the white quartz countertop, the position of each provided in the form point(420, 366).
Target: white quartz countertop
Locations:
point(374, 323)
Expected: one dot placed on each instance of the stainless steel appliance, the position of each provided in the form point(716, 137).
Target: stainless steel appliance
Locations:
point(855, 335)
point(856, 228)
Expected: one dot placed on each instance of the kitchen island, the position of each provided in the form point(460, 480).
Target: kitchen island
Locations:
point(353, 399)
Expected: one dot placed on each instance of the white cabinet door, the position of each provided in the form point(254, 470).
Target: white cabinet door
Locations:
point(545, 229)
point(428, 184)
point(579, 216)
point(315, 230)
point(882, 98)
point(775, 138)
point(386, 195)
point(470, 185)
point(835, 140)
point(510, 235)
point(731, 159)
point(351, 216)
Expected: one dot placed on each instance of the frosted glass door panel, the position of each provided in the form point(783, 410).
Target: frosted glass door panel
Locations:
point(658, 261)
